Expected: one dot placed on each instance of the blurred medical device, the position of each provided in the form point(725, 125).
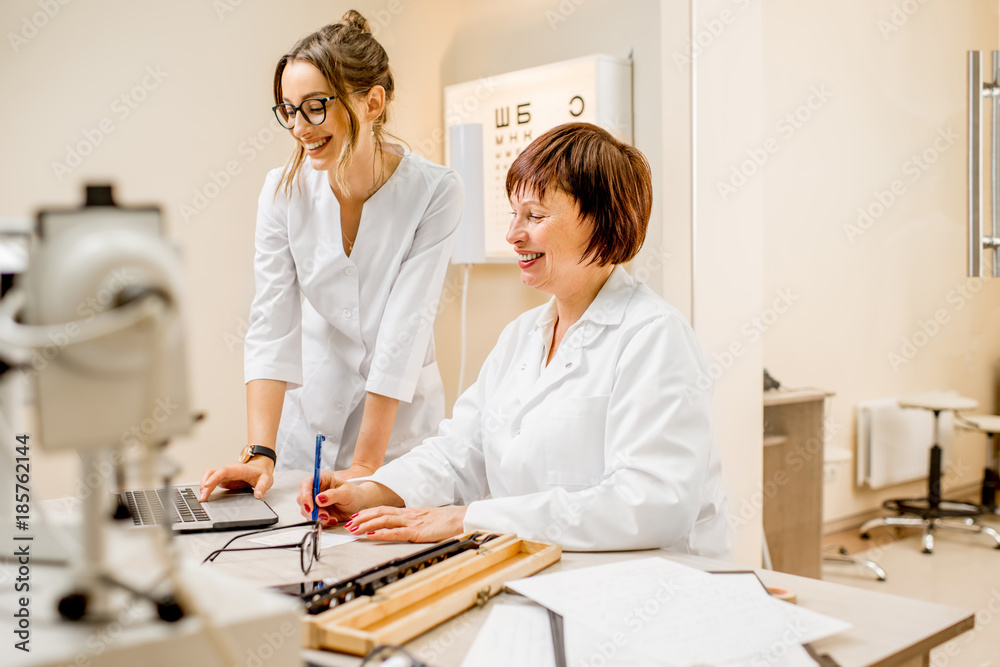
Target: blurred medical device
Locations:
point(93, 322)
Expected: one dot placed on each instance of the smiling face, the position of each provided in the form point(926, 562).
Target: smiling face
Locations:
point(322, 143)
point(550, 238)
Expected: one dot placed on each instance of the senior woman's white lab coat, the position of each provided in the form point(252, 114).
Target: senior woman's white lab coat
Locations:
point(336, 327)
point(607, 447)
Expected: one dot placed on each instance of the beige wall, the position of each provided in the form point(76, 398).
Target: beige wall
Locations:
point(728, 253)
point(857, 293)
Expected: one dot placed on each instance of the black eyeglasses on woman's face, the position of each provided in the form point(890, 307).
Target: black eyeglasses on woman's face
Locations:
point(313, 110)
point(309, 545)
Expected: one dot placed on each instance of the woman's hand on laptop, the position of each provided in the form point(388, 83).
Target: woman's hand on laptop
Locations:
point(258, 474)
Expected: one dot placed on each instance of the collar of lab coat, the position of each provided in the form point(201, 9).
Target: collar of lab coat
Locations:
point(608, 307)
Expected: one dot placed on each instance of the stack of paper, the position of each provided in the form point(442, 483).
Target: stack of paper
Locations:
point(650, 611)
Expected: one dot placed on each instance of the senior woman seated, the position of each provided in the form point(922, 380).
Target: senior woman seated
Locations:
point(589, 425)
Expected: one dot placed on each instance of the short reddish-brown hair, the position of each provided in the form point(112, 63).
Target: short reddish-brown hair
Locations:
point(610, 181)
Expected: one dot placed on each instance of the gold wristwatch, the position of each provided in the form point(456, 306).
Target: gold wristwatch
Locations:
point(251, 451)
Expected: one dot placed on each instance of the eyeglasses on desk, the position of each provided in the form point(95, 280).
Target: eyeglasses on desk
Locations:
point(308, 546)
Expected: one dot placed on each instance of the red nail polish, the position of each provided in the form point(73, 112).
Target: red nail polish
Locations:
point(352, 528)
point(322, 499)
point(355, 514)
point(371, 532)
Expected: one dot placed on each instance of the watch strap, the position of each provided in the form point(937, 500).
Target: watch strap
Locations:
point(251, 451)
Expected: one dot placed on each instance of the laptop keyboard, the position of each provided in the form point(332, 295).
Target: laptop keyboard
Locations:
point(155, 506)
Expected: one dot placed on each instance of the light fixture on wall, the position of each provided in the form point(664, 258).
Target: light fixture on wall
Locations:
point(978, 89)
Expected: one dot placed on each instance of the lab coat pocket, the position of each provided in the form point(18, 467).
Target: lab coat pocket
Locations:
point(574, 442)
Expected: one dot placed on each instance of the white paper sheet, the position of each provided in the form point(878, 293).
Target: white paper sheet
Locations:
point(674, 614)
point(792, 655)
point(529, 623)
point(494, 645)
point(806, 625)
point(295, 535)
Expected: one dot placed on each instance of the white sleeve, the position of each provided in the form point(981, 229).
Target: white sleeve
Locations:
point(658, 445)
point(408, 319)
point(273, 345)
point(449, 468)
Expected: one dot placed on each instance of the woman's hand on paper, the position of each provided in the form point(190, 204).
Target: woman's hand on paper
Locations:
point(257, 474)
point(408, 524)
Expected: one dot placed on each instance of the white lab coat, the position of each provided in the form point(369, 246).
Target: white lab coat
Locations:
point(336, 327)
point(607, 447)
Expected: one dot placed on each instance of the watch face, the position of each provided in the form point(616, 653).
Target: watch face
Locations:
point(245, 454)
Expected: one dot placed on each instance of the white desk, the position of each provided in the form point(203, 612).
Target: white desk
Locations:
point(887, 630)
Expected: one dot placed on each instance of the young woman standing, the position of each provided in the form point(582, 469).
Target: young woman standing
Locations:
point(352, 245)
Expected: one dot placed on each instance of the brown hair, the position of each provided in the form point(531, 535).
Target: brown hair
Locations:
point(352, 62)
point(610, 181)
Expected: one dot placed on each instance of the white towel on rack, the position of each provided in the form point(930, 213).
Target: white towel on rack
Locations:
point(894, 443)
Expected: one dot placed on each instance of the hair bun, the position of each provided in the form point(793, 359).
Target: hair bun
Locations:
point(354, 19)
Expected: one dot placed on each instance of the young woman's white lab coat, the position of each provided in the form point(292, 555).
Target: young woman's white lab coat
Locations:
point(336, 327)
point(607, 447)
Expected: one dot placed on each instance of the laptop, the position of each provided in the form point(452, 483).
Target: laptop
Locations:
point(179, 506)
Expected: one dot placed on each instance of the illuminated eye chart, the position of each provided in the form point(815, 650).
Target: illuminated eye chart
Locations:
point(516, 108)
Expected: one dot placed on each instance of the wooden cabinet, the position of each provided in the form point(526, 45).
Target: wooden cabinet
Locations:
point(792, 487)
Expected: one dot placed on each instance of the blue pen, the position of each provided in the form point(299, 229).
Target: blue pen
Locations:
point(319, 452)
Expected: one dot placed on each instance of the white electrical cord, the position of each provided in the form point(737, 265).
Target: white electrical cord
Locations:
point(25, 337)
point(465, 301)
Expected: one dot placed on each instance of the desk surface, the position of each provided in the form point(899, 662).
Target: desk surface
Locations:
point(774, 397)
point(887, 630)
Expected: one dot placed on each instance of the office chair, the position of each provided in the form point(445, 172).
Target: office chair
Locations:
point(932, 512)
point(990, 425)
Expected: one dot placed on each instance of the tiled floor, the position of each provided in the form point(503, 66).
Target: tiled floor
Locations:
point(963, 571)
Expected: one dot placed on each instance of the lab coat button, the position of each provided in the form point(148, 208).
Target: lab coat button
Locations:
point(340, 407)
point(347, 313)
point(518, 432)
point(349, 270)
point(523, 366)
point(569, 365)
